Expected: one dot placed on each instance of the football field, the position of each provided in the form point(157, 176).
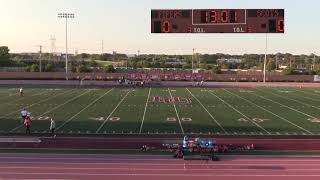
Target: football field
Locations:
point(252, 111)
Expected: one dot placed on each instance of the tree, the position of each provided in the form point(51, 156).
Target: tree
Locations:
point(93, 63)
point(34, 68)
point(224, 66)
point(4, 56)
point(186, 66)
point(288, 71)
point(216, 70)
point(270, 66)
point(204, 66)
point(48, 68)
point(82, 68)
point(109, 69)
point(311, 72)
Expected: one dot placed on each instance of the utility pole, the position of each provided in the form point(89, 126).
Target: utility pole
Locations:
point(66, 16)
point(40, 55)
point(277, 61)
point(192, 59)
point(314, 61)
point(102, 48)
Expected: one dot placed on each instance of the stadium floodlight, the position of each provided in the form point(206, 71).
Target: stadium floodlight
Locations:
point(66, 16)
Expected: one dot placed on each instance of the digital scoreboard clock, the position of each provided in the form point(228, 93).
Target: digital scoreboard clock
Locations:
point(217, 21)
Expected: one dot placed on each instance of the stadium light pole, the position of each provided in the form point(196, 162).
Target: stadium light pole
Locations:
point(66, 16)
point(265, 60)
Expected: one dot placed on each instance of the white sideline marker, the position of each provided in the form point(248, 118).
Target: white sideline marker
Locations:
point(144, 112)
point(207, 111)
point(175, 108)
point(105, 121)
point(70, 119)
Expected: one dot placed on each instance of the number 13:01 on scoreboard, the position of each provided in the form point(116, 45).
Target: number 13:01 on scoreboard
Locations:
point(217, 21)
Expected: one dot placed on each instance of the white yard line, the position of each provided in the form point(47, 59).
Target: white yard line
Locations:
point(144, 112)
point(18, 93)
point(241, 113)
point(309, 98)
point(284, 119)
point(11, 95)
point(70, 119)
point(44, 100)
point(207, 111)
point(311, 93)
point(14, 129)
point(106, 120)
point(175, 108)
point(292, 99)
point(25, 97)
point(284, 105)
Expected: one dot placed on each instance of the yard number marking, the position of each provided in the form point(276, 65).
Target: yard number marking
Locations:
point(172, 119)
point(314, 120)
point(113, 119)
point(257, 120)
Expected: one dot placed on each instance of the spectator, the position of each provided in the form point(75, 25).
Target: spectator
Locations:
point(52, 127)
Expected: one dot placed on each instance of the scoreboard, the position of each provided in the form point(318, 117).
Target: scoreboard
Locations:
point(217, 21)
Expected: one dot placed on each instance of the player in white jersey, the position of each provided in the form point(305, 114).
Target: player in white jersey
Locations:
point(24, 113)
point(21, 91)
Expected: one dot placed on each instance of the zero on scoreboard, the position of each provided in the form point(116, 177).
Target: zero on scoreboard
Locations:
point(217, 21)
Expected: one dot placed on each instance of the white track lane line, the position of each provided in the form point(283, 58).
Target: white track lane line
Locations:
point(282, 118)
point(241, 113)
point(151, 169)
point(177, 114)
point(144, 112)
point(106, 120)
point(70, 119)
point(157, 174)
point(214, 119)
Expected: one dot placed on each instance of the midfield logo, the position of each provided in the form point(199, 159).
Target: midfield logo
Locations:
point(172, 100)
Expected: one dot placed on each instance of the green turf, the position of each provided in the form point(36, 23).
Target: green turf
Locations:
point(262, 111)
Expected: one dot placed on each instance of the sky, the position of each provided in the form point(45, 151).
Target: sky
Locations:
point(124, 26)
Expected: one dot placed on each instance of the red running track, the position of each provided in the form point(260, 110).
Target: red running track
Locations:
point(134, 167)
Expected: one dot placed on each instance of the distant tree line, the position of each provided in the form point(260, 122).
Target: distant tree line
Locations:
point(84, 62)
